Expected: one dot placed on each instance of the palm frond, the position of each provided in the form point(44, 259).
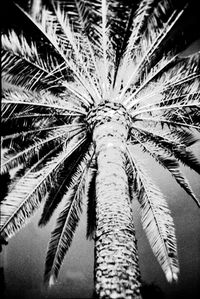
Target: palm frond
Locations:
point(172, 80)
point(152, 75)
point(62, 235)
point(171, 124)
point(173, 145)
point(63, 181)
point(152, 41)
point(17, 95)
point(156, 219)
point(31, 189)
point(26, 134)
point(104, 8)
point(138, 20)
point(48, 28)
point(67, 222)
point(29, 117)
point(172, 166)
point(84, 59)
point(180, 108)
point(14, 159)
point(25, 197)
point(84, 16)
point(22, 65)
point(159, 97)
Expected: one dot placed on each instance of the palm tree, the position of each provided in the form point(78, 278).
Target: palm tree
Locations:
point(104, 79)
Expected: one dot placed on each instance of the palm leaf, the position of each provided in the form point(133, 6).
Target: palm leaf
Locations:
point(173, 80)
point(24, 198)
point(17, 95)
point(74, 43)
point(26, 134)
point(63, 181)
point(48, 28)
point(11, 161)
point(141, 18)
point(27, 194)
point(156, 220)
point(62, 235)
point(152, 76)
point(153, 44)
point(84, 16)
point(67, 222)
point(22, 65)
point(173, 166)
point(136, 23)
point(172, 146)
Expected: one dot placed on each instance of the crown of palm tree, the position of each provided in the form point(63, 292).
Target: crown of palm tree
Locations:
point(105, 61)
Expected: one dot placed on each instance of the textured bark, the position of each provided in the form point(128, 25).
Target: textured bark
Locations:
point(116, 270)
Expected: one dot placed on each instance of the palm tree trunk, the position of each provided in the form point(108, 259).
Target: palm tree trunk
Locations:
point(117, 272)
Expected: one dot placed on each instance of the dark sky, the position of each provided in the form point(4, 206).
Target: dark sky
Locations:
point(23, 259)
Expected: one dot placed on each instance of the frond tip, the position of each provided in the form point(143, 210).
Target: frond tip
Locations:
point(52, 281)
point(171, 276)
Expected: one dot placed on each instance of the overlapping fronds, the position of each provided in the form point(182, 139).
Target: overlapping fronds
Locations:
point(32, 118)
point(67, 221)
point(51, 27)
point(113, 50)
point(169, 92)
point(146, 51)
point(34, 122)
point(63, 181)
point(173, 144)
point(170, 164)
point(13, 158)
point(174, 167)
point(22, 65)
point(23, 199)
point(66, 103)
point(26, 195)
point(83, 55)
point(156, 219)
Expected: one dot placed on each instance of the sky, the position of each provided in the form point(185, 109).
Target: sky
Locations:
point(23, 258)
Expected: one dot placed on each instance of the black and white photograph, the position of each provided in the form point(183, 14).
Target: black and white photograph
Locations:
point(100, 149)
